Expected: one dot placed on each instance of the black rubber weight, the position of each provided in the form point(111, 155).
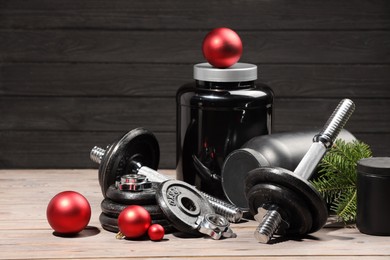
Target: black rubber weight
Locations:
point(111, 224)
point(145, 197)
point(113, 209)
point(302, 188)
point(293, 209)
point(182, 204)
point(137, 145)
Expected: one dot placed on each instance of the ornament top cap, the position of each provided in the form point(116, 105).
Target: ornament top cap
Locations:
point(239, 72)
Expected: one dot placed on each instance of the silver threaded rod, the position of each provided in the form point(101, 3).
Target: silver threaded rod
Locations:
point(322, 142)
point(336, 122)
point(97, 154)
point(229, 211)
point(268, 226)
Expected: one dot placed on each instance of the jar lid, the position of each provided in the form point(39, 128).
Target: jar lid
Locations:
point(239, 72)
point(374, 165)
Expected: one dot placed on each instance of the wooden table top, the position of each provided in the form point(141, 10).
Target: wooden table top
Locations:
point(25, 233)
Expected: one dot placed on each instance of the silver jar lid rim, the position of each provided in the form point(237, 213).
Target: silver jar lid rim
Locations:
point(239, 72)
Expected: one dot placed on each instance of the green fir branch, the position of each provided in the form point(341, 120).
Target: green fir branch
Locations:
point(337, 181)
point(346, 205)
point(331, 188)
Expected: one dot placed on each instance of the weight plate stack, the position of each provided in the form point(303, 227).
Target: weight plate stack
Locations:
point(116, 200)
point(110, 223)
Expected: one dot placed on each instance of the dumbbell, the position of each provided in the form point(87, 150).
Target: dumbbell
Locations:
point(138, 152)
point(284, 201)
point(284, 150)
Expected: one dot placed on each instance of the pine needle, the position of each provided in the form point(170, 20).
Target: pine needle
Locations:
point(346, 206)
point(337, 181)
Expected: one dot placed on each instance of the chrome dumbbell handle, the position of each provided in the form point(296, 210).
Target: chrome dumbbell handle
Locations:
point(229, 211)
point(325, 139)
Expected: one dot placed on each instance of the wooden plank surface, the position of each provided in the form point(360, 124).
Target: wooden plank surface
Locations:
point(51, 133)
point(53, 149)
point(76, 70)
point(59, 149)
point(25, 234)
point(120, 114)
point(242, 15)
point(163, 80)
point(321, 47)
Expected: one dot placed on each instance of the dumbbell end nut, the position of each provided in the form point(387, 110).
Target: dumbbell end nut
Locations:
point(96, 154)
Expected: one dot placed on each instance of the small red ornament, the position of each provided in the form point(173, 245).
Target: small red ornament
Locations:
point(68, 212)
point(222, 47)
point(156, 232)
point(134, 221)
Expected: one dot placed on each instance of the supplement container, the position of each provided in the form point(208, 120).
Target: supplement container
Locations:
point(217, 114)
point(373, 193)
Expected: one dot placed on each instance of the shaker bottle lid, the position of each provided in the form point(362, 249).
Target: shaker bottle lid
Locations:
point(239, 72)
point(374, 166)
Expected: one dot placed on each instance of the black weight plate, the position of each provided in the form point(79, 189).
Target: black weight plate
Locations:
point(145, 197)
point(137, 145)
point(182, 204)
point(302, 188)
point(111, 223)
point(234, 170)
point(112, 208)
point(293, 209)
point(108, 227)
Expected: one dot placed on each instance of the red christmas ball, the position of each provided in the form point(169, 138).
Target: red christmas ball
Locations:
point(156, 232)
point(222, 47)
point(68, 212)
point(134, 221)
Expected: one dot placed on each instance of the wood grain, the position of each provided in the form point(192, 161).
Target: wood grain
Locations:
point(321, 47)
point(159, 114)
point(371, 115)
point(87, 114)
point(25, 233)
point(163, 80)
point(75, 72)
point(202, 14)
point(52, 149)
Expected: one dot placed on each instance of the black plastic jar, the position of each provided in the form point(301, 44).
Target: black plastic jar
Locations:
point(373, 192)
point(217, 114)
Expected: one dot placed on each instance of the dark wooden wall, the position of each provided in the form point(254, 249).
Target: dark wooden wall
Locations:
point(78, 73)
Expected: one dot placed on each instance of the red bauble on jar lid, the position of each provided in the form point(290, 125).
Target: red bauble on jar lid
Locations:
point(222, 47)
